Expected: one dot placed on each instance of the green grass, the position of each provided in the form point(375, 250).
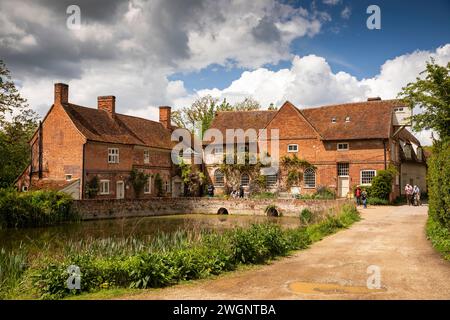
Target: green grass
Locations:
point(439, 237)
point(120, 266)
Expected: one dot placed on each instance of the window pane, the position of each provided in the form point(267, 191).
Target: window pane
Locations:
point(271, 180)
point(218, 178)
point(309, 178)
point(343, 169)
point(367, 176)
point(245, 180)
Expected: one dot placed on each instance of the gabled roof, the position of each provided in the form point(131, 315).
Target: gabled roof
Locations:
point(367, 120)
point(98, 125)
point(242, 120)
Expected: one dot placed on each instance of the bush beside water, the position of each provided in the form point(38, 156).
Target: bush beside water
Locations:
point(36, 208)
point(168, 259)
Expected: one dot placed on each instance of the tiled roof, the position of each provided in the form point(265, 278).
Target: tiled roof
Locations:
point(367, 120)
point(408, 136)
point(98, 125)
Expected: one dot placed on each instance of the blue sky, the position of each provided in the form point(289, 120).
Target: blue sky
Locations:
point(347, 44)
point(171, 52)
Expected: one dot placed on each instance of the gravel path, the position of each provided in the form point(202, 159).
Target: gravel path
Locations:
point(392, 239)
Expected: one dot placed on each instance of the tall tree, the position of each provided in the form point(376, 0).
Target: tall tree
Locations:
point(203, 111)
point(17, 124)
point(432, 94)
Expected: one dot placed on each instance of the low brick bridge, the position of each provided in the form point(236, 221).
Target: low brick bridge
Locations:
point(106, 209)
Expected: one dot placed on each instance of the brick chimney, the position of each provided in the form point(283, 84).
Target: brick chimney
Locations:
point(164, 116)
point(374, 99)
point(107, 103)
point(61, 93)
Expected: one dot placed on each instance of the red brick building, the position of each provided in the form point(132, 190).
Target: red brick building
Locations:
point(74, 144)
point(346, 144)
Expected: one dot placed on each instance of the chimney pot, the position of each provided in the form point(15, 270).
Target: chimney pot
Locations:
point(61, 93)
point(374, 99)
point(107, 103)
point(165, 116)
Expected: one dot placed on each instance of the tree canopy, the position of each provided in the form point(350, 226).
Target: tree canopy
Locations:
point(17, 124)
point(204, 109)
point(432, 94)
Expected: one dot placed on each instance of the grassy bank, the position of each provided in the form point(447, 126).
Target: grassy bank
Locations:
point(439, 237)
point(132, 263)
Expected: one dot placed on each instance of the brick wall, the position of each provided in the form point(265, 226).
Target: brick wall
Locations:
point(104, 209)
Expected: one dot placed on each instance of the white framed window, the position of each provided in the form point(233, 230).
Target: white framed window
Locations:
point(113, 155)
point(333, 120)
point(292, 147)
point(309, 178)
point(367, 176)
point(342, 146)
point(271, 180)
point(407, 150)
point(104, 186)
point(245, 180)
point(343, 169)
point(147, 156)
point(68, 177)
point(219, 178)
point(148, 186)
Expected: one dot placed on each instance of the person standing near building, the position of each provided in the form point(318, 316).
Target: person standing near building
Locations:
point(364, 198)
point(358, 195)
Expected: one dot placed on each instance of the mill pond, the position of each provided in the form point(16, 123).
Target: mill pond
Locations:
point(125, 228)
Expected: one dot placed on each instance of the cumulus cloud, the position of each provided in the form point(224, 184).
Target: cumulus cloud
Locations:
point(129, 48)
point(346, 13)
point(311, 82)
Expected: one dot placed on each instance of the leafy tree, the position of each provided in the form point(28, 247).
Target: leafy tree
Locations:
point(17, 124)
point(204, 109)
point(432, 94)
point(138, 179)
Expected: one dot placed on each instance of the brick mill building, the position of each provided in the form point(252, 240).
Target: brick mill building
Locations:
point(74, 143)
point(346, 144)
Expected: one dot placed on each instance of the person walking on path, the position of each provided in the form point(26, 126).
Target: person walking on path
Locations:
point(241, 192)
point(409, 192)
point(364, 198)
point(417, 196)
point(358, 195)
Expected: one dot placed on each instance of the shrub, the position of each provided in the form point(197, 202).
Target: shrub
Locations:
point(439, 236)
point(324, 193)
point(439, 183)
point(36, 208)
point(382, 184)
point(377, 201)
point(306, 216)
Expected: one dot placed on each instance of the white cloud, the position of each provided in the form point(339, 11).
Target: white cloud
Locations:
point(346, 12)
point(332, 2)
point(311, 82)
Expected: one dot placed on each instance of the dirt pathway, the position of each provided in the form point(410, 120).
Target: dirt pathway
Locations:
point(390, 238)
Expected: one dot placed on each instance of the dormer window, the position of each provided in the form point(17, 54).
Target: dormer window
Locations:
point(333, 120)
point(407, 150)
point(347, 119)
point(419, 154)
point(342, 146)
